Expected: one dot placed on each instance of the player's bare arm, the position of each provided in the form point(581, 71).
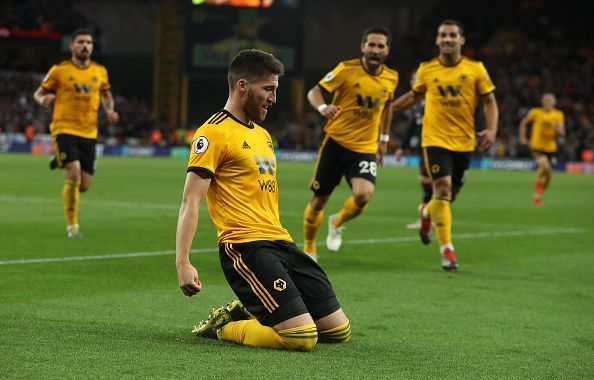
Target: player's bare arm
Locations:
point(406, 101)
point(561, 129)
point(487, 135)
point(316, 99)
point(195, 190)
point(384, 139)
point(522, 131)
point(44, 97)
point(108, 105)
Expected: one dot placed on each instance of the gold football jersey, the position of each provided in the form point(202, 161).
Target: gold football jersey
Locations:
point(544, 128)
point(243, 196)
point(360, 97)
point(77, 97)
point(451, 97)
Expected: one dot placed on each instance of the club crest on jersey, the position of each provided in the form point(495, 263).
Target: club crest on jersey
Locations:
point(269, 143)
point(329, 76)
point(200, 145)
point(280, 284)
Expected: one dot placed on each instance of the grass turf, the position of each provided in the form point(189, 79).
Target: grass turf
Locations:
point(522, 304)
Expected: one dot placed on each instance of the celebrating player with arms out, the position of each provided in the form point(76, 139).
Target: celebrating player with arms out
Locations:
point(76, 87)
point(548, 122)
point(232, 163)
point(451, 85)
point(361, 88)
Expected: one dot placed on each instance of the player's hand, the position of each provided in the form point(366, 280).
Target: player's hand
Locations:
point(329, 111)
point(382, 148)
point(486, 139)
point(113, 116)
point(398, 154)
point(47, 100)
point(523, 141)
point(189, 282)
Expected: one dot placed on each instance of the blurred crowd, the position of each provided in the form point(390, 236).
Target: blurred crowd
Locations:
point(521, 44)
point(43, 16)
point(528, 47)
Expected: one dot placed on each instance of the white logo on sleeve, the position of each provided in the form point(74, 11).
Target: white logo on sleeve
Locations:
point(200, 145)
point(329, 76)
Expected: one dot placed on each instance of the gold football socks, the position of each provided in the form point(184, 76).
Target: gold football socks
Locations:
point(71, 196)
point(312, 220)
point(339, 334)
point(350, 210)
point(441, 214)
point(252, 333)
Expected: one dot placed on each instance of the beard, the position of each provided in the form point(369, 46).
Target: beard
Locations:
point(83, 55)
point(374, 61)
point(254, 110)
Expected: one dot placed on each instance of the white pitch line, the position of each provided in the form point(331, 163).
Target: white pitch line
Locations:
point(399, 239)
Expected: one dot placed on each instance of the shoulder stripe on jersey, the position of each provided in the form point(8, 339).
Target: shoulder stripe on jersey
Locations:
point(209, 121)
point(220, 119)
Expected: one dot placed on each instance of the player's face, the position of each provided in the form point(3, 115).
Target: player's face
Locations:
point(375, 50)
point(82, 47)
point(548, 101)
point(261, 94)
point(449, 40)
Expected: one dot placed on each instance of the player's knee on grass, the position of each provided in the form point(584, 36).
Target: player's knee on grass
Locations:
point(302, 338)
point(334, 328)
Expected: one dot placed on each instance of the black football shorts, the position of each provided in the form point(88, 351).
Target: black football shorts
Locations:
point(441, 162)
point(335, 161)
point(275, 281)
point(70, 148)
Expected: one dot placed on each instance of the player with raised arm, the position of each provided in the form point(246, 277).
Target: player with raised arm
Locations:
point(285, 299)
point(451, 86)
point(353, 145)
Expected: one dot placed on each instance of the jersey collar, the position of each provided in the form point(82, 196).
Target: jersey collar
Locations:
point(249, 125)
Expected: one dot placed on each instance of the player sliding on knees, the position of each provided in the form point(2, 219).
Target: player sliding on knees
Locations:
point(285, 299)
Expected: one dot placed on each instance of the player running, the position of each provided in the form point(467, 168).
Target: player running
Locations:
point(548, 123)
point(451, 86)
point(353, 145)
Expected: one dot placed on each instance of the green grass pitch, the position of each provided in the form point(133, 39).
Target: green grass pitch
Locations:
point(521, 305)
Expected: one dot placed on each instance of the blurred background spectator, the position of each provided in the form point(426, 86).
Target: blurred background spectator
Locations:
point(528, 47)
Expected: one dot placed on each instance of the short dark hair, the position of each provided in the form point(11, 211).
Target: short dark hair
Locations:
point(453, 22)
point(376, 30)
point(81, 32)
point(251, 64)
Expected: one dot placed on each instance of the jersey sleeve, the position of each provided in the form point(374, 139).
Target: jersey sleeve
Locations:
point(530, 116)
point(105, 85)
point(561, 118)
point(484, 83)
point(51, 81)
point(420, 85)
point(207, 150)
point(334, 79)
point(393, 92)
